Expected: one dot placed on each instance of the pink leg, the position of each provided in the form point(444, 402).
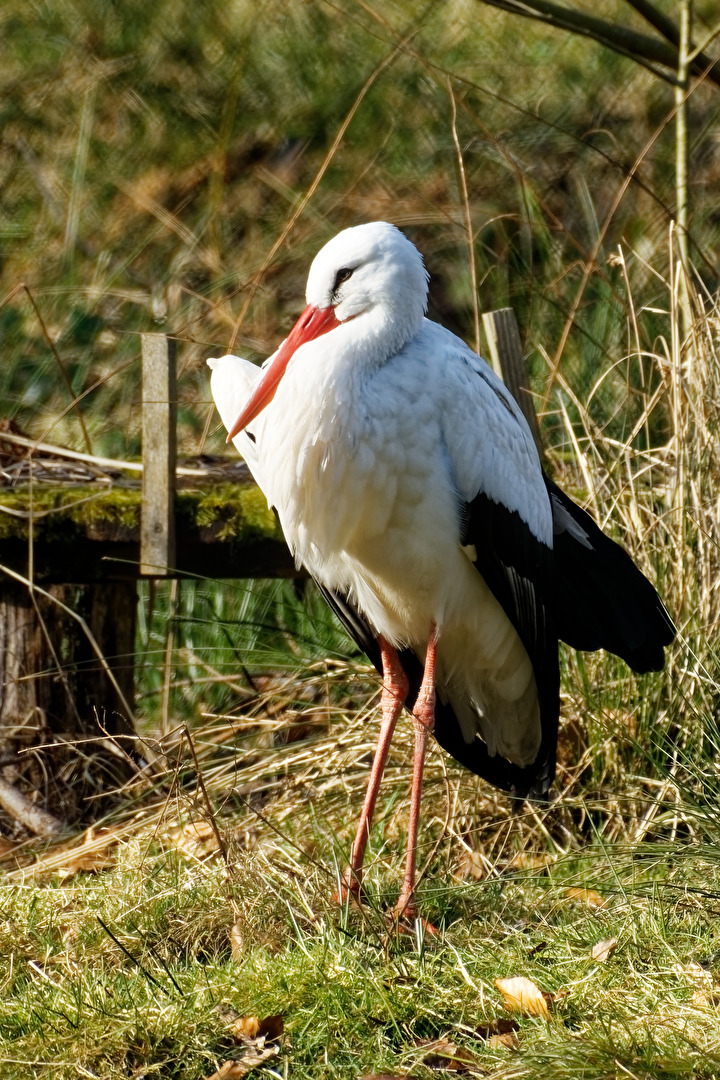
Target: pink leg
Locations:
point(394, 691)
point(423, 722)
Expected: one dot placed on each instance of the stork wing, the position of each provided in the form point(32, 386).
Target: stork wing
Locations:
point(507, 532)
point(602, 600)
point(232, 382)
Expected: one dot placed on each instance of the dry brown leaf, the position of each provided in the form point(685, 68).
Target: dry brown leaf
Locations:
point(705, 998)
point(499, 1032)
point(245, 1027)
point(522, 995)
point(694, 971)
point(508, 1041)
point(602, 950)
point(240, 1067)
point(385, 1076)
point(530, 860)
point(443, 1054)
point(586, 896)
point(95, 853)
point(271, 1028)
point(252, 1029)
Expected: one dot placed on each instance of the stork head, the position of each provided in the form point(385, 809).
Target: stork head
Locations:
point(370, 268)
point(370, 273)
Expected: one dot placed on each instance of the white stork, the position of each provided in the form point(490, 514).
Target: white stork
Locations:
point(408, 485)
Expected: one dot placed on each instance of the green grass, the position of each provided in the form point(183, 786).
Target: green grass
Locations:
point(151, 158)
point(130, 971)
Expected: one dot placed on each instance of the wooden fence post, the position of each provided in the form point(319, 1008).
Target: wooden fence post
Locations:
point(508, 362)
point(157, 530)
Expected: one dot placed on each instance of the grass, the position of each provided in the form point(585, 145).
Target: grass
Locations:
point(139, 969)
point(150, 162)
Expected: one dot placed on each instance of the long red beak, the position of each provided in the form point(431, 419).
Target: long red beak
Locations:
point(312, 323)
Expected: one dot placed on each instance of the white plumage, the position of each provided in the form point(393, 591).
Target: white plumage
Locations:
point(407, 483)
point(368, 457)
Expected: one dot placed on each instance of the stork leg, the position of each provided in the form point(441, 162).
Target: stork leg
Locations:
point(394, 691)
point(423, 722)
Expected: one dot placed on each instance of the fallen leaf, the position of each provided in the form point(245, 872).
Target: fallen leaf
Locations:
point(245, 1027)
point(252, 1029)
point(473, 865)
point(586, 896)
point(385, 1076)
point(95, 853)
point(196, 839)
point(443, 1054)
point(530, 860)
point(705, 998)
point(602, 950)
point(522, 995)
point(237, 1068)
point(694, 971)
point(271, 1028)
point(509, 1040)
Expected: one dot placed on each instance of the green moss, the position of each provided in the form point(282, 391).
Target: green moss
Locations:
point(66, 509)
point(234, 513)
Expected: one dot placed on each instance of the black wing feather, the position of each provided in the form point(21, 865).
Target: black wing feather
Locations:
point(602, 600)
point(518, 569)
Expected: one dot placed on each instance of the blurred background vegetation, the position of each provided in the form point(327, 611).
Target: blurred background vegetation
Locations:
point(152, 157)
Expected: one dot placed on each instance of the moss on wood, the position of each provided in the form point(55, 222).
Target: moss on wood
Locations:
point(230, 512)
point(227, 511)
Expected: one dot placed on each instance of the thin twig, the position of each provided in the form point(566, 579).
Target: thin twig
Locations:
point(467, 214)
point(92, 459)
point(63, 372)
point(206, 797)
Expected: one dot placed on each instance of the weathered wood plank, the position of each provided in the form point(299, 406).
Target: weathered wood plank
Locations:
point(508, 362)
point(157, 534)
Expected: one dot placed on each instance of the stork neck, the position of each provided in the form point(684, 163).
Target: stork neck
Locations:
point(374, 336)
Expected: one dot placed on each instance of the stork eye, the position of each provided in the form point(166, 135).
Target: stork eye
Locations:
point(342, 275)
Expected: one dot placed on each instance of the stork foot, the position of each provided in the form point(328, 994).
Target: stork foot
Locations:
point(405, 915)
